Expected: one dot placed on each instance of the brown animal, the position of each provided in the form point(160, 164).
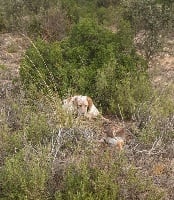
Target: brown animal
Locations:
point(113, 136)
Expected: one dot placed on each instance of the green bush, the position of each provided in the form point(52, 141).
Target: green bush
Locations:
point(106, 178)
point(72, 64)
point(155, 117)
point(102, 11)
point(87, 44)
point(152, 19)
point(42, 67)
point(89, 57)
point(28, 120)
point(125, 90)
point(25, 174)
point(43, 18)
point(87, 49)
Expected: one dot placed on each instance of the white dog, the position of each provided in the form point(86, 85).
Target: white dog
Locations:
point(81, 105)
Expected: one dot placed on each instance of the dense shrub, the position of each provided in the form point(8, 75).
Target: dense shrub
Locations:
point(54, 24)
point(24, 175)
point(124, 95)
point(87, 49)
point(30, 120)
point(156, 117)
point(81, 169)
point(106, 179)
point(42, 67)
point(149, 20)
point(88, 60)
point(36, 18)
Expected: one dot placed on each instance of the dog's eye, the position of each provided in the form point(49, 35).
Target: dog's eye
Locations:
point(80, 105)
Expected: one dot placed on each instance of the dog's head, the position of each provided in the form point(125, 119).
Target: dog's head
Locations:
point(83, 104)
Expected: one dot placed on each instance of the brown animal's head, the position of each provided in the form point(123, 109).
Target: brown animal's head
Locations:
point(83, 104)
point(112, 130)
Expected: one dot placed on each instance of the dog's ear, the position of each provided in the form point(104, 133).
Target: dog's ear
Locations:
point(90, 102)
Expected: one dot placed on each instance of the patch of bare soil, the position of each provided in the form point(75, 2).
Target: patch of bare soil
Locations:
point(12, 47)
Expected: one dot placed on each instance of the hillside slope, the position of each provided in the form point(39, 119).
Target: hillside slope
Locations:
point(156, 162)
